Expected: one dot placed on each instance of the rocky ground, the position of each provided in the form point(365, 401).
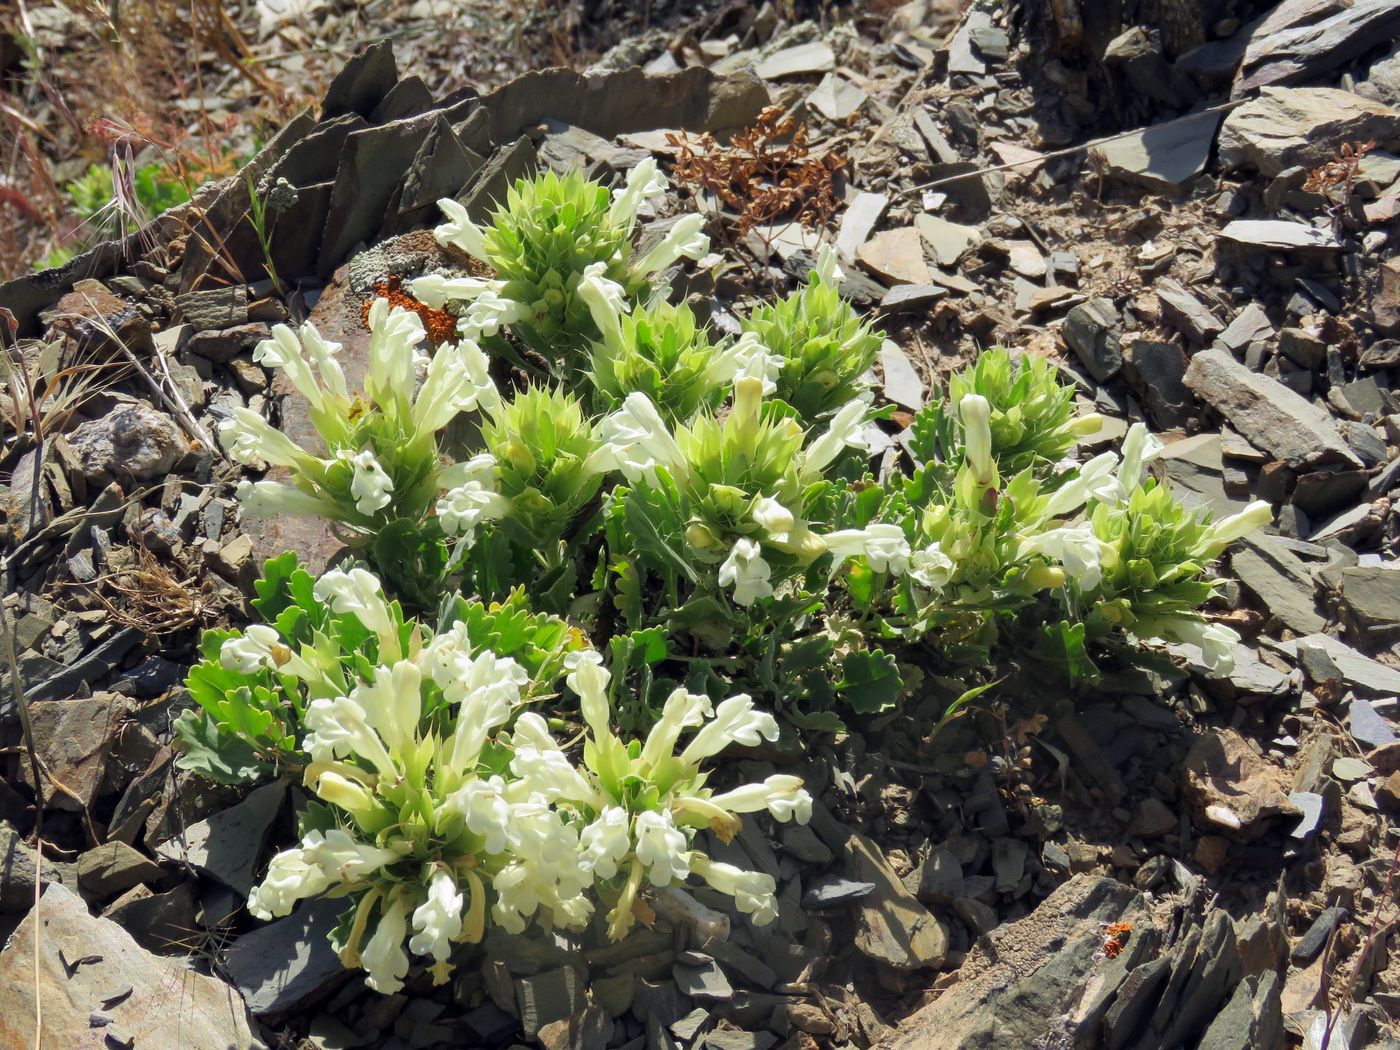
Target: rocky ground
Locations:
point(1197, 224)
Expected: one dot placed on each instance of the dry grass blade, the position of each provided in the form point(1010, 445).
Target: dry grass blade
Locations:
point(151, 598)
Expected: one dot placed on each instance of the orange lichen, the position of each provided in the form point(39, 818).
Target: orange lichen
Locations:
point(440, 325)
point(1115, 937)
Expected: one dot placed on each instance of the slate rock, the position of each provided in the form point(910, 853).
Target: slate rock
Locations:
point(836, 98)
point(228, 845)
point(1281, 581)
point(813, 57)
point(1277, 235)
point(1229, 786)
point(113, 867)
point(1312, 806)
point(1092, 329)
point(363, 82)
point(940, 877)
point(132, 442)
point(75, 740)
point(1164, 157)
point(289, 963)
point(1314, 940)
point(703, 981)
point(1252, 1018)
point(896, 256)
point(832, 891)
point(1304, 51)
point(549, 996)
point(1182, 310)
point(160, 1003)
point(214, 309)
point(18, 869)
point(1267, 413)
point(221, 346)
point(1156, 370)
point(1367, 726)
point(1287, 127)
point(1370, 597)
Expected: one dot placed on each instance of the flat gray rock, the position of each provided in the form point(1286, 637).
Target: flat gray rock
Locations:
point(229, 844)
point(1164, 157)
point(1285, 127)
point(1278, 235)
point(289, 962)
point(1361, 673)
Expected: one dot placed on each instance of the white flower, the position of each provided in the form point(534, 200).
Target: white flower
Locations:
point(290, 877)
point(438, 919)
point(252, 651)
point(746, 571)
point(644, 183)
point(930, 567)
point(661, 847)
point(322, 354)
point(748, 358)
point(636, 440)
point(338, 726)
point(393, 704)
point(883, 545)
point(682, 710)
point(589, 679)
point(358, 593)
point(1216, 641)
point(782, 795)
point(457, 381)
point(605, 299)
point(471, 497)
point(435, 291)
point(976, 414)
point(459, 232)
point(828, 269)
point(487, 688)
point(394, 335)
point(686, 239)
point(754, 893)
point(735, 722)
point(1077, 549)
point(531, 730)
point(338, 853)
point(349, 795)
point(549, 773)
point(264, 499)
point(1139, 449)
point(606, 842)
point(372, 488)
point(383, 958)
point(1095, 481)
point(774, 517)
point(488, 313)
point(283, 351)
point(1227, 530)
point(482, 804)
point(250, 438)
point(847, 430)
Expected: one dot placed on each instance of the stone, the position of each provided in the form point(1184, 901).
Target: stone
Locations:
point(547, 997)
point(1230, 786)
point(703, 981)
point(813, 57)
point(1280, 580)
point(859, 218)
point(939, 878)
point(1093, 330)
point(947, 240)
point(1250, 325)
point(980, 918)
point(1277, 235)
point(896, 256)
point(1267, 413)
point(229, 844)
point(1252, 1017)
point(1152, 819)
point(18, 869)
point(911, 298)
point(363, 82)
point(1314, 940)
point(1367, 726)
point(903, 384)
point(1385, 306)
point(214, 309)
point(1311, 805)
point(1183, 311)
point(591, 1027)
point(1023, 983)
point(1348, 770)
point(162, 922)
point(133, 442)
point(1361, 673)
point(1156, 370)
point(1164, 157)
point(836, 98)
point(832, 891)
point(113, 867)
point(75, 740)
point(222, 345)
point(1025, 258)
point(289, 963)
point(87, 966)
point(1287, 127)
point(1302, 52)
point(1370, 598)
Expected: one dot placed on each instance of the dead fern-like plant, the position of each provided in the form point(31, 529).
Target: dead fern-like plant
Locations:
point(1339, 172)
point(768, 173)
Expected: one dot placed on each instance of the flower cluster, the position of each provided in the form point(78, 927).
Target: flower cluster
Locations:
point(447, 805)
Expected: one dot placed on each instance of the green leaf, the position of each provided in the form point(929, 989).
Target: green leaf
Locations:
point(275, 589)
point(870, 681)
point(816, 721)
point(209, 749)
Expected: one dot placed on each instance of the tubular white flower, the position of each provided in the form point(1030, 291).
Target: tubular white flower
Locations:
point(480, 468)
point(550, 773)
point(644, 183)
point(1094, 481)
point(394, 335)
point(976, 414)
point(438, 919)
point(782, 795)
point(686, 239)
point(393, 704)
point(774, 517)
point(338, 726)
point(264, 499)
point(483, 806)
point(371, 487)
point(459, 231)
point(322, 354)
point(252, 651)
point(682, 710)
point(348, 794)
point(747, 572)
point(606, 842)
point(735, 722)
point(847, 430)
point(284, 351)
point(357, 593)
point(589, 679)
point(1139, 449)
point(606, 301)
point(661, 847)
point(828, 268)
point(290, 878)
point(435, 291)
point(250, 438)
point(1216, 641)
point(457, 381)
point(464, 507)
point(531, 730)
point(930, 567)
point(1077, 549)
point(488, 313)
point(341, 855)
point(754, 893)
point(636, 440)
point(383, 958)
point(1227, 530)
point(883, 545)
point(487, 687)
point(749, 358)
